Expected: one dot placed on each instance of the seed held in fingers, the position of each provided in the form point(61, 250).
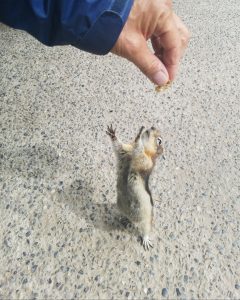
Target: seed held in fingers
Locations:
point(161, 88)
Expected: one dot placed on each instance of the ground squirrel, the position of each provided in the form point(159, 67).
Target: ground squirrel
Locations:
point(135, 164)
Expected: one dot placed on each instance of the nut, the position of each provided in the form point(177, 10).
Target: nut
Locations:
point(161, 88)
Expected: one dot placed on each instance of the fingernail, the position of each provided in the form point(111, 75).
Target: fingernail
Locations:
point(160, 78)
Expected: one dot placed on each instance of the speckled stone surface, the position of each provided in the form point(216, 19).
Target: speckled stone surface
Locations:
point(59, 228)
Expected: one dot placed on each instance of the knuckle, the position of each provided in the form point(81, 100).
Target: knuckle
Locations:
point(187, 33)
point(185, 40)
point(168, 3)
point(186, 37)
point(163, 7)
point(166, 11)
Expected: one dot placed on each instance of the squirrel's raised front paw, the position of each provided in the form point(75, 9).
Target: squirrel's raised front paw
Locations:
point(146, 242)
point(111, 132)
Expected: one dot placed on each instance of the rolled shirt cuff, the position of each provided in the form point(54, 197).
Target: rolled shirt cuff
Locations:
point(103, 34)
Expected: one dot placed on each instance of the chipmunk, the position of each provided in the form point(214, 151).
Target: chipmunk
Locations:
point(135, 164)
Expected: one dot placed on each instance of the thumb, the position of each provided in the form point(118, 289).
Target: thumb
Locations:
point(150, 64)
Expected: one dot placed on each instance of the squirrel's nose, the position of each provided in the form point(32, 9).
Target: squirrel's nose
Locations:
point(153, 128)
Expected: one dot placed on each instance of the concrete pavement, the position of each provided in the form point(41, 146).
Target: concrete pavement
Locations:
point(59, 228)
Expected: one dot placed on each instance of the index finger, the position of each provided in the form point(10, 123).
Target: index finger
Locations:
point(167, 42)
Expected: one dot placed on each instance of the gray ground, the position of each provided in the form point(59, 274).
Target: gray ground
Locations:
point(59, 228)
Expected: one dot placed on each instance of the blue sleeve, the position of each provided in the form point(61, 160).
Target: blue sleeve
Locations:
point(90, 25)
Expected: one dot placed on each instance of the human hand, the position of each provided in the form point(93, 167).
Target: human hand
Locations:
point(155, 20)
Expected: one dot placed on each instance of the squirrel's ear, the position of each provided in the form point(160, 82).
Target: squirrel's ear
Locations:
point(139, 133)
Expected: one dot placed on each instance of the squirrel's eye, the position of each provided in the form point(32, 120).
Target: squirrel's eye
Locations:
point(159, 141)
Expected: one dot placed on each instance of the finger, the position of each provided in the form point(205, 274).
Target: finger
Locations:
point(184, 36)
point(183, 30)
point(149, 64)
point(170, 41)
point(159, 50)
